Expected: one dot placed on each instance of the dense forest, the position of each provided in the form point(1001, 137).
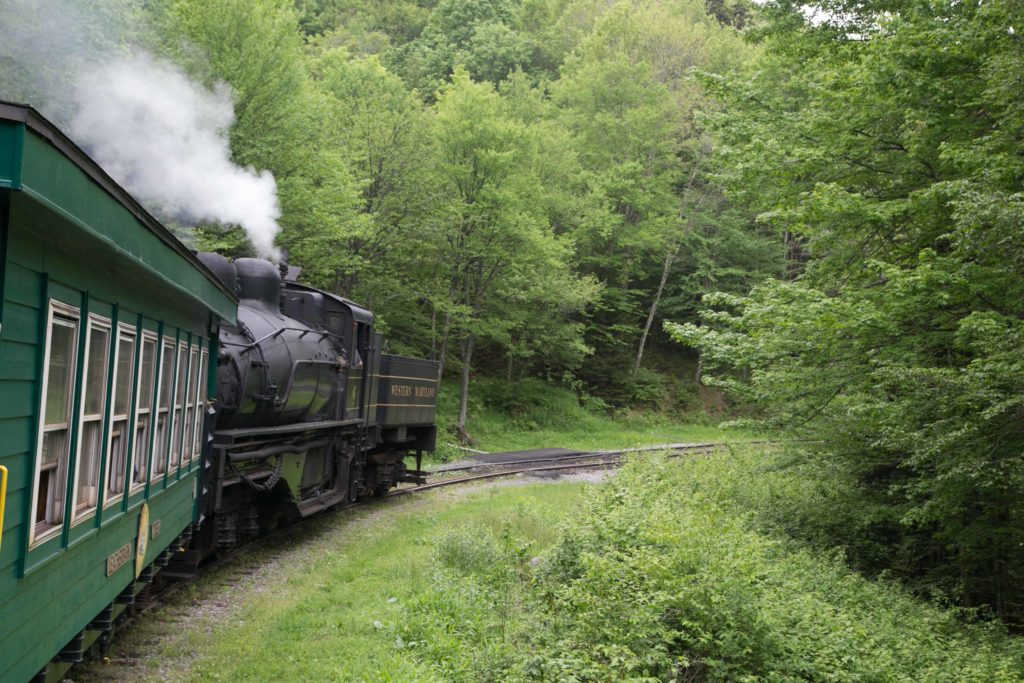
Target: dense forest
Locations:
point(821, 201)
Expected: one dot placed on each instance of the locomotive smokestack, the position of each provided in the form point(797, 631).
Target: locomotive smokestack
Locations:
point(259, 283)
point(282, 264)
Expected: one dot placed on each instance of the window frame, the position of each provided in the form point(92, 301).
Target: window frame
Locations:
point(178, 409)
point(71, 317)
point(128, 330)
point(189, 416)
point(163, 449)
point(93, 320)
point(151, 412)
point(201, 396)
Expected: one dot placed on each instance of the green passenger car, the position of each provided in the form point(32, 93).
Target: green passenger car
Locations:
point(108, 325)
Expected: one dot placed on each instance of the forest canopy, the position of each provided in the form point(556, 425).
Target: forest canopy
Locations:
point(885, 138)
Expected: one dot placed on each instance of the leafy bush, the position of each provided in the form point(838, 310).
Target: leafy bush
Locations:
point(669, 573)
point(648, 388)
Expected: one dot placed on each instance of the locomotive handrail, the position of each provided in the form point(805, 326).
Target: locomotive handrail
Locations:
point(279, 449)
point(3, 499)
point(278, 331)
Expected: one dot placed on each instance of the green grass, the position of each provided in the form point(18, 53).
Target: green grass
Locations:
point(665, 574)
point(332, 613)
point(531, 414)
point(674, 570)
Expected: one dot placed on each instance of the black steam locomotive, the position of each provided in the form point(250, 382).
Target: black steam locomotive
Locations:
point(309, 411)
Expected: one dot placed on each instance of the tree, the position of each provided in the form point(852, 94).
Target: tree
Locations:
point(494, 244)
point(628, 97)
point(885, 135)
point(381, 133)
point(480, 35)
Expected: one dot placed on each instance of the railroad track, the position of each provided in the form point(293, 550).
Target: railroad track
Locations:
point(570, 461)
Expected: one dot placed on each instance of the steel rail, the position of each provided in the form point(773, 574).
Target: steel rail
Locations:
point(674, 448)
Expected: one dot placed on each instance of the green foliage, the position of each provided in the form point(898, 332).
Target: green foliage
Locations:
point(888, 144)
point(256, 49)
point(520, 187)
point(663, 576)
point(477, 34)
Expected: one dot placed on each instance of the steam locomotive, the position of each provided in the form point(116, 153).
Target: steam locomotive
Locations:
point(158, 406)
point(309, 412)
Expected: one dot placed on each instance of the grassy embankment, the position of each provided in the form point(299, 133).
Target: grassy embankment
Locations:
point(530, 414)
point(675, 570)
point(325, 603)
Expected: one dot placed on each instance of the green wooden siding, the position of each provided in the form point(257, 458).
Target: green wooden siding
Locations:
point(47, 597)
point(66, 238)
point(12, 136)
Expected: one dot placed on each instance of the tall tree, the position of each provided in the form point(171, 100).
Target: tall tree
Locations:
point(495, 244)
point(628, 97)
point(886, 135)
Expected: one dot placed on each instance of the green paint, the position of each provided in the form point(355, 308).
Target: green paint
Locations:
point(12, 136)
point(291, 472)
point(64, 237)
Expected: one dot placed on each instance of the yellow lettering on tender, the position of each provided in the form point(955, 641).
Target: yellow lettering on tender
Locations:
point(3, 498)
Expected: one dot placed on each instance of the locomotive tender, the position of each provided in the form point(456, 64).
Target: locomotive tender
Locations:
point(158, 406)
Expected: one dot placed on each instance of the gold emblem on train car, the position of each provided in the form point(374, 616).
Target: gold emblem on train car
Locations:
point(142, 542)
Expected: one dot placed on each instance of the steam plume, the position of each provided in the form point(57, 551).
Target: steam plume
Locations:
point(159, 134)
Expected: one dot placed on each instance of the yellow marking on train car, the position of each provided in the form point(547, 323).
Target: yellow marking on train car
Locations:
point(3, 499)
point(415, 379)
point(403, 405)
point(142, 540)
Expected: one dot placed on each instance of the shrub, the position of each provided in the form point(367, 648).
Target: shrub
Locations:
point(681, 570)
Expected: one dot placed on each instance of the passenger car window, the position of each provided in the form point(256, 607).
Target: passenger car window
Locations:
point(119, 439)
point(94, 403)
point(144, 410)
point(54, 440)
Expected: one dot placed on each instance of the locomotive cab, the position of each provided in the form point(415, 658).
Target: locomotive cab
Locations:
point(352, 326)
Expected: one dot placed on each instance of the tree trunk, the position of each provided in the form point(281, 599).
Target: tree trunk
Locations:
point(442, 352)
point(433, 328)
point(670, 258)
point(700, 368)
point(467, 358)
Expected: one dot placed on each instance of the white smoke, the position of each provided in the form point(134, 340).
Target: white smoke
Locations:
point(165, 139)
point(159, 134)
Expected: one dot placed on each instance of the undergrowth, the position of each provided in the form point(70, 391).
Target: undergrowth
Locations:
point(529, 413)
point(679, 571)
